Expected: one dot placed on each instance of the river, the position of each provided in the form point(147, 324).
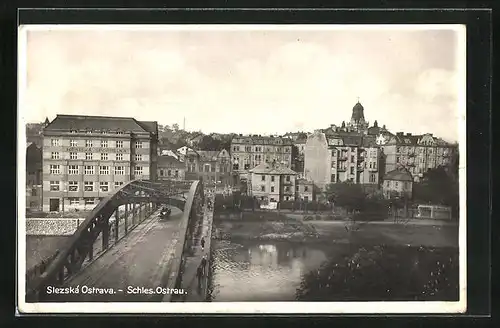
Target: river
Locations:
point(260, 271)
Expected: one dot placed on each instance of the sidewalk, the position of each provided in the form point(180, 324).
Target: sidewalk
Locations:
point(197, 292)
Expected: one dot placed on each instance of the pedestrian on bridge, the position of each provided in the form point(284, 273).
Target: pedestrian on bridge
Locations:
point(204, 263)
point(202, 243)
point(199, 275)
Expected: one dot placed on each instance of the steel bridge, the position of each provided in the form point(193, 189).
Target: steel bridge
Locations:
point(121, 224)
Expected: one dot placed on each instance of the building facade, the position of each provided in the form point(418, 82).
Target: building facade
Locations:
point(211, 166)
point(170, 168)
point(398, 183)
point(417, 153)
point(272, 182)
point(340, 158)
point(248, 152)
point(304, 190)
point(86, 157)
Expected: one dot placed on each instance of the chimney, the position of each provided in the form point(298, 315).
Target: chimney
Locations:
point(399, 134)
point(408, 134)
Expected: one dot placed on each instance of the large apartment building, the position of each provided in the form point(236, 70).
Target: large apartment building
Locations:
point(248, 152)
point(211, 166)
point(272, 182)
point(341, 158)
point(85, 158)
point(417, 153)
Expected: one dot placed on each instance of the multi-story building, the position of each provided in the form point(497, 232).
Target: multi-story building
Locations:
point(86, 157)
point(250, 151)
point(298, 157)
point(272, 182)
point(417, 153)
point(340, 158)
point(398, 183)
point(304, 190)
point(170, 168)
point(212, 166)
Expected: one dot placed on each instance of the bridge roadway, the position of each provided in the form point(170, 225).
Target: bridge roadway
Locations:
point(141, 259)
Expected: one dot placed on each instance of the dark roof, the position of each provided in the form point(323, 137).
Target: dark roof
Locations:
point(82, 122)
point(267, 168)
point(399, 174)
point(169, 160)
point(262, 140)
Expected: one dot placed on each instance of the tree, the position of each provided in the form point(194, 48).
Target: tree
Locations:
point(175, 127)
point(346, 194)
point(209, 143)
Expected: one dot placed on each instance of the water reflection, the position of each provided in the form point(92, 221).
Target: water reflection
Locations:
point(255, 271)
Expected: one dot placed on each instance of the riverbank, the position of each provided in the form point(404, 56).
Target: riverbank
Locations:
point(372, 233)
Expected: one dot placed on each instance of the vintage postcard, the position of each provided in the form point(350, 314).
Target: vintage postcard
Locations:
point(241, 169)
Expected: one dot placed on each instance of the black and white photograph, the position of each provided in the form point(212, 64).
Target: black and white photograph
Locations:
point(254, 168)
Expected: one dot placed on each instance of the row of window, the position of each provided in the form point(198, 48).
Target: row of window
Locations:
point(90, 170)
point(263, 189)
point(208, 168)
point(90, 156)
point(419, 150)
point(263, 178)
point(259, 158)
point(406, 184)
point(168, 173)
point(90, 143)
point(87, 185)
point(261, 149)
point(372, 178)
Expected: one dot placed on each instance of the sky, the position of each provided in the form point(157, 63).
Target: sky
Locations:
point(258, 81)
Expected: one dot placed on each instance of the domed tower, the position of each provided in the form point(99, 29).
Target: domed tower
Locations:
point(358, 118)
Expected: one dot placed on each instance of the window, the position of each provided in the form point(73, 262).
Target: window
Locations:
point(89, 201)
point(104, 144)
point(73, 170)
point(138, 157)
point(54, 155)
point(104, 186)
point(89, 169)
point(54, 185)
point(119, 132)
point(287, 198)
point(72, 185)
point(306, 188)
point(138, 144)
point(88, 143)
point(352, 169)
point(55, 169)
point(212, 168)
point(352, 158)
point(88, 156)
point(169, 173)
point(396, 184)
point(118, 184)
point(74, 201)
point(138, 170)
point(54, 142)
point(287, 188)
point(104, 156)
point(262, 188)
point(119, 157)
point(263, 178)
point(372, 178)
point(297, 188)
point(272, 178)
point(176, 173)
point(73, 143)
point(119, 144)
point(161, 172)
point(387, 183)
point(272, 189)
point(332, 178)
point(206, 168)
point(89, 186)
point(73, 156)
point(119, 170)
point(288, 178)
point(104, 170)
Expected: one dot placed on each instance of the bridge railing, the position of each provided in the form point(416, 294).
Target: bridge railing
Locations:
point(80, 247)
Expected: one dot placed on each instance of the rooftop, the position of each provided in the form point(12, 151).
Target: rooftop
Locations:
point(267, 168)
point(399, 174)
point(100, 123)
point(169, 160)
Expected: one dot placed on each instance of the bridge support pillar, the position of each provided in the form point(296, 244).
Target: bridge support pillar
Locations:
point(126, 218)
